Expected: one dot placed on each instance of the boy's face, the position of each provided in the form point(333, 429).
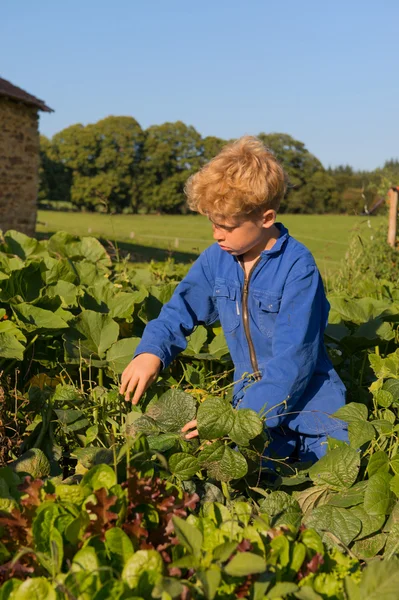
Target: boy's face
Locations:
point(243, 236)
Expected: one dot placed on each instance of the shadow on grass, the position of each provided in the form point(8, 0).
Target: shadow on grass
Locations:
point(137, 253)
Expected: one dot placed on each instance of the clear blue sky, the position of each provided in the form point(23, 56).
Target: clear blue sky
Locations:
point(326, 72)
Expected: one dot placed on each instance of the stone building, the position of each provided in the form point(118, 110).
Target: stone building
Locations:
point(19, 157)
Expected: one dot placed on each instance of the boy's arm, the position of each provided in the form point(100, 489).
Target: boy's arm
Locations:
point(192, 303)
point(298, 333)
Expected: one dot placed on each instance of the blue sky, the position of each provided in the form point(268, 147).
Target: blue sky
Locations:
point(326, 72)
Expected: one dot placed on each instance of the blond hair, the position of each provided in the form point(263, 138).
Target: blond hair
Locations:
point(244, 178)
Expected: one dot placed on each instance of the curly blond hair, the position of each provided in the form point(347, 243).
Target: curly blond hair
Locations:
point(245, 178)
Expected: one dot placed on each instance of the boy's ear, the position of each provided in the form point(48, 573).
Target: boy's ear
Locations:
point(269, 218)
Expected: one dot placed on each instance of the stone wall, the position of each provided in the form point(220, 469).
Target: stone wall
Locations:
point(19, 166)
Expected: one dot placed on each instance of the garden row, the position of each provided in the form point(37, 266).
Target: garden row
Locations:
point(101, 500)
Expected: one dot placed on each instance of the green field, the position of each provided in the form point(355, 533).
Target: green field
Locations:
point(155, 237)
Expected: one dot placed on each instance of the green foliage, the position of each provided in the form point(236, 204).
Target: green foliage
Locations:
point(105, 161)
point(33, 462)
point(124, 505)
point(115, 166)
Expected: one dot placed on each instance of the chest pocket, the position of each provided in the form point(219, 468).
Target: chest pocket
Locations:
point(267, 308)
point(229, 306)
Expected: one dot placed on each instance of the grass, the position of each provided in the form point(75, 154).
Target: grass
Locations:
point(156, 237)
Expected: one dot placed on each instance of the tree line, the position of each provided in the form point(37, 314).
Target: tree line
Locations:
point(115, 166)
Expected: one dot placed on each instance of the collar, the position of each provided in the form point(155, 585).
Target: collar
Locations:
point(281, 240)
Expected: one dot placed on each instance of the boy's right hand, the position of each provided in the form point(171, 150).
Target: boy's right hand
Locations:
point(140, 373)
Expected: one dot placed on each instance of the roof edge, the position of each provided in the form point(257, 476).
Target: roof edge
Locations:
point(9, 90)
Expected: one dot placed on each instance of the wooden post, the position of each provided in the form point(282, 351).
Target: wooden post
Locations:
point(393, 216)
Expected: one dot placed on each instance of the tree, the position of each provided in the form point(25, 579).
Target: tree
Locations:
point(172, 153)
point(317, 195)
point(211, 146)
point(298, 163)
point(55, 179)
point(105, 159)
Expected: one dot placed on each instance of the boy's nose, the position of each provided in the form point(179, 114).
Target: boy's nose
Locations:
point(217, 234)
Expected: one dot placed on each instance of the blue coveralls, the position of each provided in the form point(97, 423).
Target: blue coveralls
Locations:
point(275, 327)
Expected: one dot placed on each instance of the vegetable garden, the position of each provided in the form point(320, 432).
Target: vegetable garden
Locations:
point(100, 499)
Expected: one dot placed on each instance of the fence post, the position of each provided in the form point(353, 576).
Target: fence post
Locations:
point(393, 215)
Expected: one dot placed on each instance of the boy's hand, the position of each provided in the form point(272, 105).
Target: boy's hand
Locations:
point(187, 427)
point(140, 373)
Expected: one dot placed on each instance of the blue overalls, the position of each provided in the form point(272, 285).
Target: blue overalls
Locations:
point(274, 323)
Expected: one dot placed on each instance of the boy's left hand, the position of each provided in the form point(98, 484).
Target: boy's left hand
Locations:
point(187, 427)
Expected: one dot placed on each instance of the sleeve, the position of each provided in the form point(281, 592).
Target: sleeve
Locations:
point(298, 333)
point(192, 303)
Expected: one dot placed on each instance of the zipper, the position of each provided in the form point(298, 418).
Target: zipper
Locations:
point(245, 319)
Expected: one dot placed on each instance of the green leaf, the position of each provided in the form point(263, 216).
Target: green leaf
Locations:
point(340, 522)
point(71, 246)
point(144, 425)
point(8, 589)
point(277, 503)
point(85, 559)
point(232, 465)
point(100, 476)
point(383, 426)
point(378, 463)
point(392, 544)
point(143, 561)
point(67, 416)
point(210, 580)
point(23, 246)
point(163, 442)
point(121, 353)
point(37, 588)
point(394, 464)
point(370, 523)
point(369, 547)
point(378, 496)
point(196, 340)
point(352, 412)
point(43, 524)
point(212, 453)
point(245, 563)
point(307, 593)
point(383, 398)
point(394, 485)
point(166, 589)
point(218, 346)
point(215, 418)
point(71, 493)
point(67, 291)
point(94, 334)
point(57, 551)
point(360, 432)
point(173, 410)
point(337, 470)
point(121, 306)
point(246, 426)
point(32, 318)
point(117, 543)
point(224, 551)
point(10, 347)
point(385, 367)
point(380, 580)
point(350, 497)
point(189, 536)
point(66, 393)
point(349, 310)
point(392, 386)
point(184, 465)
point(282, 589)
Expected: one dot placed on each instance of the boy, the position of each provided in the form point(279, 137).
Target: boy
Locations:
point(266, 290)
